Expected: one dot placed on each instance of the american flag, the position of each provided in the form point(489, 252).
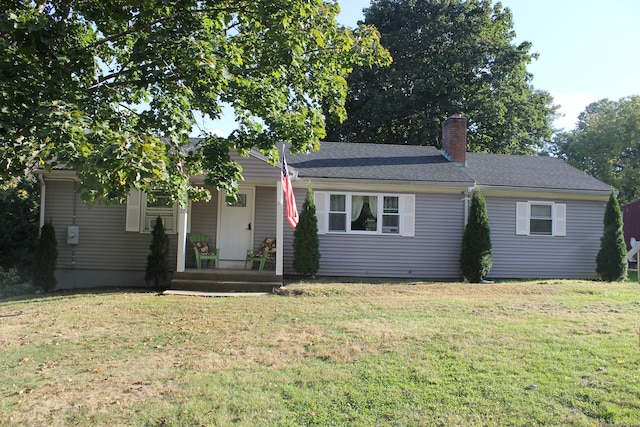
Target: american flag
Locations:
point(289, 198)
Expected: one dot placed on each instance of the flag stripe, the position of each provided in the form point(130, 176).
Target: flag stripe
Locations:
point(289, 198)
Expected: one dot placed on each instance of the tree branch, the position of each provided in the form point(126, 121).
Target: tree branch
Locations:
point(139, 27)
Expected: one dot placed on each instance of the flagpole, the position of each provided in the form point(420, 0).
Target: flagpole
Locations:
point(279, 225)
point(279, 228)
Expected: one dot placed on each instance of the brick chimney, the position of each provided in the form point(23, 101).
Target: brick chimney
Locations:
point(454, 139)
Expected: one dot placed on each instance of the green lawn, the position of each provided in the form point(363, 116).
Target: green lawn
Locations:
point(521, 354)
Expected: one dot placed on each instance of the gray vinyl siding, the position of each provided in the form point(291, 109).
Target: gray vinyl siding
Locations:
point(257, 170)
point(104, 245)
point(264, 224)
point(533, 257)
point(432, 254)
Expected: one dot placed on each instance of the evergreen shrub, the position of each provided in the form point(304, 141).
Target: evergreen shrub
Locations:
point(475, 257)
point(157, 270)
point(46, 255)
point(306, 246)
point(611, 261)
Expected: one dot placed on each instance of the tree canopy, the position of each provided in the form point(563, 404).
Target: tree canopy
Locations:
point(454, 56)
point(606, 144)
point(19, 226)
point(112, 89)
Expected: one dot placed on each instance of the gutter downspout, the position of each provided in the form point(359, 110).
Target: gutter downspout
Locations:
point(183, 221)
point(43, 198)
point(280, 220)
point(467, 198)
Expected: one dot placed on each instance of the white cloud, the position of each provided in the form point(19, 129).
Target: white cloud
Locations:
point(217, 132)
point(571, 105)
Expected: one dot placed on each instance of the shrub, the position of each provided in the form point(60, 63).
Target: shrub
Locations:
point(475, 257)
point(306, 246)
point(611, 261)
point(158, 260)
point(9, 277)
point(44, 262)
point(11, 284)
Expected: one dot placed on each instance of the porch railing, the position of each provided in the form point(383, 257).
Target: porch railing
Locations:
point(633, 255)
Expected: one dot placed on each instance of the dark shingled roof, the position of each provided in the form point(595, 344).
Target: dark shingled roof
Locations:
point(378, 162)
point(384, 162)
point(530, 172)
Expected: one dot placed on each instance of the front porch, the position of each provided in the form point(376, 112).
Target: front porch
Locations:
point(233, 230)
point(226, 280)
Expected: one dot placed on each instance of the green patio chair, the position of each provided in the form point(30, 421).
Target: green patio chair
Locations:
point(266, 253)
point(203, 250)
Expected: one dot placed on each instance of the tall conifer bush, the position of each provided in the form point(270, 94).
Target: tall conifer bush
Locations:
point(306, 246)
point(44, 262)
point(611, 261)
point(475, 258)
point(158, 259)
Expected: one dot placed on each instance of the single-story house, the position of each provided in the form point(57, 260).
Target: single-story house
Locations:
point(394, 211)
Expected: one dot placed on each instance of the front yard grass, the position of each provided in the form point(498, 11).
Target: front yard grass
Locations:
point(528, 353)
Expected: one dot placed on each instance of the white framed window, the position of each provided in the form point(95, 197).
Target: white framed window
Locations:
point(365, 213)
point(541, 219)
point(337, 212)
point(391, 214)
point(142, 212)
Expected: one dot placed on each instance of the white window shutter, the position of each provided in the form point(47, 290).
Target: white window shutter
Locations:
point(320, 199)
point(133, 214)
point(408, 212)
point(522, 218)
point(560, 219)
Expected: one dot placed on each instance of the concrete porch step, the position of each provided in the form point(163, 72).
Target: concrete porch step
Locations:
point(227, 274)
point(226, 280)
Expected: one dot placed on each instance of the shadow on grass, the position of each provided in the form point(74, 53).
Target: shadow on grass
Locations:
point(31, 293)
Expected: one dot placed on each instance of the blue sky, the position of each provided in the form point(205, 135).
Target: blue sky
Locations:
point(589, 49)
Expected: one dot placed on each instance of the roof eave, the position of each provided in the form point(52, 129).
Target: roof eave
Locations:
point(57, 174)
point(566, 193)
point(345, 184)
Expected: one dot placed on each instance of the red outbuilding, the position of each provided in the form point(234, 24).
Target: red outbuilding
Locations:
point(631, 220)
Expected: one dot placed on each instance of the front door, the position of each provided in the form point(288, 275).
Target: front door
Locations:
point(234, 228)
